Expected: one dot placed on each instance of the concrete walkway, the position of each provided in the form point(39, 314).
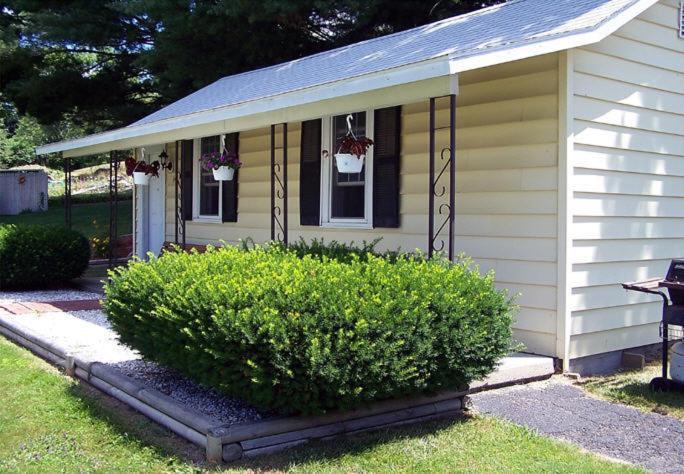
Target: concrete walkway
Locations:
point(562, 410)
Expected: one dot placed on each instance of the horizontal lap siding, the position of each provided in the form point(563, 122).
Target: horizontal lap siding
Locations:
point(506, 201)
point(506, 182)
point(628, 209)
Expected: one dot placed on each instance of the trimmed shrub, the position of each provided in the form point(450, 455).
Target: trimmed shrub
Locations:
point(36, 255)
point(334, 250)
point(306, 335)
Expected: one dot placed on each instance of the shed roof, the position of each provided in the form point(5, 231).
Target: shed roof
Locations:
point(505, 32)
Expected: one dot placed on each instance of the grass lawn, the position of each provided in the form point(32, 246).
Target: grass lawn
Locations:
point(631, 388)
point(49, 423)
point(91, 219)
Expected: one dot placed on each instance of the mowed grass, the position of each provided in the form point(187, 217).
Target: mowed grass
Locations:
point(631, 388)
point(91, 219)
point(50, 423)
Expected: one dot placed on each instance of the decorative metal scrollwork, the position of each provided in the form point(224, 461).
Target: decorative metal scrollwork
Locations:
point(279, 188)
point(179, 233)
point(113, 205)
point(441, 235)
point(67, 192)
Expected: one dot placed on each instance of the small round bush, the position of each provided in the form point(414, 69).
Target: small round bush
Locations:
point(307, 335)
point(32, 256)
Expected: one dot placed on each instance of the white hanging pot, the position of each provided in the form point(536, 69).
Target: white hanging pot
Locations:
point(139, 177)
point(348, 163)
point(224, 173)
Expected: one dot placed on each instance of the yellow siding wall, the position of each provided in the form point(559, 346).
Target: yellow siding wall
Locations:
point(628, 178)
point(507, 155)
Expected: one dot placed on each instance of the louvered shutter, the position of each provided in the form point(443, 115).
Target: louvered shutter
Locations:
point(230, 188)
point(186, 178)
point(386, 167)
point(310, 173)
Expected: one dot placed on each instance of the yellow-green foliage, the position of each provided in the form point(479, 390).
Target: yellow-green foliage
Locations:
point(38, 255)
point(306, 335)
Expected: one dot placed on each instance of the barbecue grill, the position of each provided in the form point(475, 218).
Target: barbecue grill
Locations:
point(672, 324)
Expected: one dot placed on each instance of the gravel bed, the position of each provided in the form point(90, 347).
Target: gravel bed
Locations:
point(88, 335)
point(205, 400)
point(77, 335)
point(46, 295)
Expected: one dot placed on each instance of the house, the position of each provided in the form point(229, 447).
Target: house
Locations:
point(544, 139)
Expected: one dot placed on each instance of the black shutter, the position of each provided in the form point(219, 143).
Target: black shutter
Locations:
point(386, 167)
point(310, 174)
point(186, 168)
point(230, 188)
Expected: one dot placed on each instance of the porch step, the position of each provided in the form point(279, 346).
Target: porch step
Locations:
point(516, 368)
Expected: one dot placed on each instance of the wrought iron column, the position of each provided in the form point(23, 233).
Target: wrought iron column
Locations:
point(437, 240)
point(178, 184)
point(113, 205)
point(67, 192)
point(279, 188)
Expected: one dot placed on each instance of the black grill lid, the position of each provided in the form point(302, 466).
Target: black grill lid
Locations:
point(676, 271)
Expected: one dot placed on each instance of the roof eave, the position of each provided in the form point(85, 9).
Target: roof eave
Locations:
point(435, 67)
point(506, 54)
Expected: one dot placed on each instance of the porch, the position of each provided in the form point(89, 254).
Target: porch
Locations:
point(474, 171)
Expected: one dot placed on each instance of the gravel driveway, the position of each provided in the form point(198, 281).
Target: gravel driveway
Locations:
point(562, 410)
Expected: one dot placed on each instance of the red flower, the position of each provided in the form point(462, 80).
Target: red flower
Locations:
point(355, 146)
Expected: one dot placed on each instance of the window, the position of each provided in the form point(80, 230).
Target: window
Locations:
point(346, 198)
point(209, 190)
point(681, 19)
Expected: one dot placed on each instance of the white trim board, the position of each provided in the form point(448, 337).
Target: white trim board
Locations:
point(389, 88)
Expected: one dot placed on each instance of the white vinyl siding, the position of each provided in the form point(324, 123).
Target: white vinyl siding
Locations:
point(628, 183)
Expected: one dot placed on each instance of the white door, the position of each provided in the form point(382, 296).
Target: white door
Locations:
point(150, 206)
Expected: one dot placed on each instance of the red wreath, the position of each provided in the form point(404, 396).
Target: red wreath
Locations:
point(22, 179)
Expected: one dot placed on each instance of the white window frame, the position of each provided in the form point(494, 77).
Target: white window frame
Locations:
point(328, 161)
point(196, 171)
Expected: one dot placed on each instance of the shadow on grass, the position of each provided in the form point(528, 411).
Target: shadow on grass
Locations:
point(632, 388)
point(141, 431)
point(348, 445)
point(133, 427)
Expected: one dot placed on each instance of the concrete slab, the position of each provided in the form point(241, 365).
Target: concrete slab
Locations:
point(515, 369)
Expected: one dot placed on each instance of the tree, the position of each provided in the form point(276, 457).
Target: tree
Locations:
point(106, 64)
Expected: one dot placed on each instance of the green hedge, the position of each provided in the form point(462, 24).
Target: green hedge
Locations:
point(306, 335)
point(38, 255)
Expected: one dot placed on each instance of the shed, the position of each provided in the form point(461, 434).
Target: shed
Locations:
point(544, 139)
point(23, 190)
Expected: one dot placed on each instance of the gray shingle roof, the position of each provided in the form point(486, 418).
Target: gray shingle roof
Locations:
point(500, 27)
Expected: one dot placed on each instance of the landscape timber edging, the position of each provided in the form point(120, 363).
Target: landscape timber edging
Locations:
point(225, 443)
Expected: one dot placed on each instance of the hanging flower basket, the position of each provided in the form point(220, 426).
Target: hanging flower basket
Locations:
point(139, 177)
point(348, 163)
point(223, 164)
point(224, 173)
point(352, 151)
point(141, 170)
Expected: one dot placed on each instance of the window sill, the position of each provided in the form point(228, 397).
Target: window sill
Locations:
point(207, 220)
point(347, 225)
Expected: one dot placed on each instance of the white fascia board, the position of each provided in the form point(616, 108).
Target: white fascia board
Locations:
point(436, 67)
point(379, 98)
point(506, 54)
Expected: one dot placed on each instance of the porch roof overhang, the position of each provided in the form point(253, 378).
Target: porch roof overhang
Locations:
point(396, 69)
point(402, 85)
